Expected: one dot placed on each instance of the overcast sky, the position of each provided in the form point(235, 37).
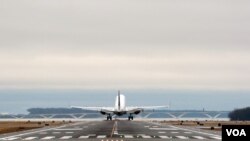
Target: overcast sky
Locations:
point(99, 44)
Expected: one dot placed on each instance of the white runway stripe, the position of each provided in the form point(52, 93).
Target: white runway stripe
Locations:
point(146, 136)
point(83, 137)
point(214, 137)
point(101, 136)
point(163, 129)
point(182, 137)
point(48, 138)
point(164, 137)
point(68, 129)
point(128, 136)
point(66, 137)
point(199, 137)
point(161, 132)
point(11, 138)
point(174, 132)
point(30, 138)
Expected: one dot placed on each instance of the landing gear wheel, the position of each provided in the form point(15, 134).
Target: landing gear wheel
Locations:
point(109, 117)
point(130, 117)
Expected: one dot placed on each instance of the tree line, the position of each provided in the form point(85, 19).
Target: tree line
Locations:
point(240, 114)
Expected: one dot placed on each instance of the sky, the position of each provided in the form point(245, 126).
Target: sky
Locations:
point(125, 44)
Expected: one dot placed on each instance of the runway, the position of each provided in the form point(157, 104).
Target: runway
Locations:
point(116, 130)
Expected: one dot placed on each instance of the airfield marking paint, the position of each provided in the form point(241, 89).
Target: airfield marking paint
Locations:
point(48, 138)
point(66, 137)
point(114, 130)
point(68, 129)
point(48, 129)
point(213, 135)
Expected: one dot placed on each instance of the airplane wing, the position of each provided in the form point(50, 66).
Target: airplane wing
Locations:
point(137, 110)
point(103, 110)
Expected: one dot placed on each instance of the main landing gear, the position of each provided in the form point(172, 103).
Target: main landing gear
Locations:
point(109, 117)
point(130, 117)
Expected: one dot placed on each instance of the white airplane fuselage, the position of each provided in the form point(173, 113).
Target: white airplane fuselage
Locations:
point(120, 105)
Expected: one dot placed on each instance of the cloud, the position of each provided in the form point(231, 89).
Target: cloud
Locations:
point(195, 70)
point(124, 44)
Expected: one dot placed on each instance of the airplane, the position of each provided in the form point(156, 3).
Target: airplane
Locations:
point(120, 108)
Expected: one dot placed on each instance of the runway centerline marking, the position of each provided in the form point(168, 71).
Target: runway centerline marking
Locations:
point(114, 130)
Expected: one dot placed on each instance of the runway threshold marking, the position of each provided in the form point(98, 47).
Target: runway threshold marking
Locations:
point(128, 136)
point(30, 138)
point(185, 129)
point(66, 137)
point(39, 131)
point(199, 137)
point(83, 137)
point(167, 129)
point(204, 133)
point(146, 137)
point(11, 138)
point(164, 137)
point(68, 129)
point(182, 137)
point(48, 138)
point(101, 136)
point(214, 137)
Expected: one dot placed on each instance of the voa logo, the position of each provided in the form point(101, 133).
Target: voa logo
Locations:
point(236, 132)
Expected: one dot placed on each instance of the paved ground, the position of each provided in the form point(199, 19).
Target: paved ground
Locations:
point(116, 130)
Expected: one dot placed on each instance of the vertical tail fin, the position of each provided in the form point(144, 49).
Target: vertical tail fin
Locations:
point(119, 101)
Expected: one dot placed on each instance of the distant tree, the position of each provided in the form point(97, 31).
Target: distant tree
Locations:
point(240, 114)
point(57, 111)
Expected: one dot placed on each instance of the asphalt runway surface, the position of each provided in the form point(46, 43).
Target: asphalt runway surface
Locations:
point(116, 130)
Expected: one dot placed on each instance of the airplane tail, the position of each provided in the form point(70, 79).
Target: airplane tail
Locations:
point(119, 101)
